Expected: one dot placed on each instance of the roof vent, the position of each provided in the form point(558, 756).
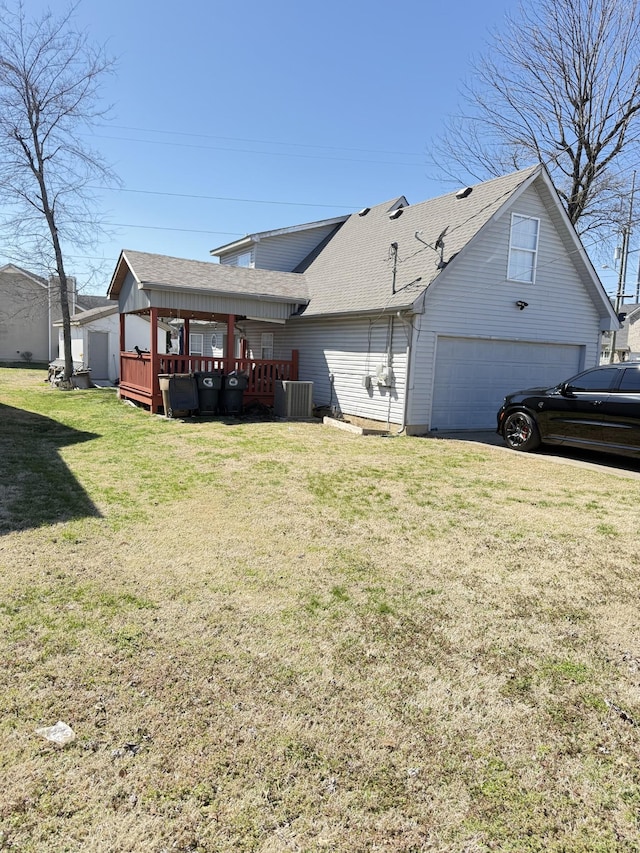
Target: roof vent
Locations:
point(364, 211)
point(396, 213)
point(464, 192)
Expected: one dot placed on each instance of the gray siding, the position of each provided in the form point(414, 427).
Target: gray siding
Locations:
point(213, 303)
point(474, 298)
point(348, 350)
point(24, 319)
point(286, 251)
point(283, 252)
point(132, 299)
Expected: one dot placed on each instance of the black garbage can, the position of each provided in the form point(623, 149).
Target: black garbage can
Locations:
point(209, 385)
point(179, 394)
point(233, 388)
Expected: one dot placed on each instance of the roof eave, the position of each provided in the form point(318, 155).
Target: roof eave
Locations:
point(406, 307)
point(231, 294)
point(119, 275)
point(251, 239)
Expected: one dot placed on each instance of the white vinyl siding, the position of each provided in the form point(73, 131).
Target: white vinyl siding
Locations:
point(336, 355)
point(286, 251)
point(523, 248)
point(240, 259)
point(471, 299)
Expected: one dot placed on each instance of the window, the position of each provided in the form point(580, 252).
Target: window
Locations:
point(630, 380)
point(243, 260)
point(196, 341)
point(266, 345)
point(599, 379)
point(523, 248)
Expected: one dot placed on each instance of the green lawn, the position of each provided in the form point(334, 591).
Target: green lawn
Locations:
point(276, 636)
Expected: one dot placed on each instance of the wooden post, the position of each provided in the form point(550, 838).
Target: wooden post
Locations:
point(186, 333)
point(123, 336)
point(294, 364)
point(156, 397)
point(231, 342)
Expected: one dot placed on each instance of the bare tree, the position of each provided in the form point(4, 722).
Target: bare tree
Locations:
point(50, 81)
point(560, 85)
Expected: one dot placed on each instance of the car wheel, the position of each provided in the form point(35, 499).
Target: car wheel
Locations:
point(520, 431)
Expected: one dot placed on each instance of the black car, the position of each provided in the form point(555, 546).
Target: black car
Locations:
point(598, 409)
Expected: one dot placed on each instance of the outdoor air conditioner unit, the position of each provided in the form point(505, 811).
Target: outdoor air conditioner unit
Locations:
point(293, 400)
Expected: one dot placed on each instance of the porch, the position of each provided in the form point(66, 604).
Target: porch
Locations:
point(139, 374)
point(178, 292)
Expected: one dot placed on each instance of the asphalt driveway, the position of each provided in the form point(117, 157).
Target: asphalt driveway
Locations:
point(621, 466)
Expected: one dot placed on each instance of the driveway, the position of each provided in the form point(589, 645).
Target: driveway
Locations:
point(620, 466)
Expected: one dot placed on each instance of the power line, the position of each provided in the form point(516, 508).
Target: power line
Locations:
point(268, 153)
point(224, 198)
point(262, 141)
point(169, 228)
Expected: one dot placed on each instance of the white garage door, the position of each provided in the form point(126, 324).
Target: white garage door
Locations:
point(472, 376)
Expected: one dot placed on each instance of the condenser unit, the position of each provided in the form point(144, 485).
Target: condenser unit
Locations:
point(293, 400)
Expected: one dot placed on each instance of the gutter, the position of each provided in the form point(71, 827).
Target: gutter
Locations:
point(227, 294)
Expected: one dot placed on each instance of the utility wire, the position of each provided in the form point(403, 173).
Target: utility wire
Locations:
point(260, 141)
point(268, 153)
point(223, 198)
point(168, 228)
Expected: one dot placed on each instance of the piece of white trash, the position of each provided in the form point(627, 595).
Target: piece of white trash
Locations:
point(61, 733)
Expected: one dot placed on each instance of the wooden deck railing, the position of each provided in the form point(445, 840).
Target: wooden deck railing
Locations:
point(139, 374)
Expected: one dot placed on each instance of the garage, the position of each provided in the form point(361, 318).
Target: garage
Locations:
point(473, 375)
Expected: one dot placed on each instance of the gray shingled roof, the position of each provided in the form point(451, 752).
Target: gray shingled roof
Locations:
point(354, 272)
point(33, 275)
point(88, 301)
point(82, 317)
point(160, 270)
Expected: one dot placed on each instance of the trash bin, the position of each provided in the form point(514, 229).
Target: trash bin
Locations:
point(179, 394)
point(233, 388)
point(209, 385)
point(82, 378)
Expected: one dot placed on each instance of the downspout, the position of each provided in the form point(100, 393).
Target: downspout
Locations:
point(409, 326)
point(389, 361)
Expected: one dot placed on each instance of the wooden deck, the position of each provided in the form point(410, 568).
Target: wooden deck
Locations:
point(139, 375)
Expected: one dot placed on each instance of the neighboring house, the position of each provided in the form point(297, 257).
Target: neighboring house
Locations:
point(25, 316)
point(95, 340)
point(423, 316)
point(625, 341)
point(29, 307)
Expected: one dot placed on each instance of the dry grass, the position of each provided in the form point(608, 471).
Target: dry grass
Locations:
point(283, 637)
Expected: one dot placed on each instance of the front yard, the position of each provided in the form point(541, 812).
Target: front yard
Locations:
point(282, 637)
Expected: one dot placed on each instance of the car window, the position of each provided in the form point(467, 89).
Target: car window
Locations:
point(594, 380)
point(630, 381)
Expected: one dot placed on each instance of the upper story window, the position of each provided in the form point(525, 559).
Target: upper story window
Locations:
point(243, 260)
point(523, 248)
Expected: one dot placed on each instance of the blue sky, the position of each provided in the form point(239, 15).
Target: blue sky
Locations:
point(279, 113)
